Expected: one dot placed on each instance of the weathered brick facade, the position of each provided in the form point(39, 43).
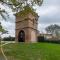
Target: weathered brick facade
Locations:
point(28, 24)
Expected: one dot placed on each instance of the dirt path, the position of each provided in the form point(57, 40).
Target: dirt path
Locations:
point(1, 56)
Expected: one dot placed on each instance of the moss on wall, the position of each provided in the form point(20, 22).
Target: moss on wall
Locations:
point(26, 11)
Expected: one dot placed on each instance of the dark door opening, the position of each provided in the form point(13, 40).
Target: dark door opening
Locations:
point(21, 36)
point(40, 38)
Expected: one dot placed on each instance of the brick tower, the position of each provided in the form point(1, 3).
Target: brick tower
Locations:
point(26, 27)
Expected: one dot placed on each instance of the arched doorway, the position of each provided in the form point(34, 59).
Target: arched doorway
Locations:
point(21, 36)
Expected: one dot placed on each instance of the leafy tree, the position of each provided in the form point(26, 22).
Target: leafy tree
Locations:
point(1, 13)
point(53, 29)
point(18, 5)
point(2, 31)
point(9, 38)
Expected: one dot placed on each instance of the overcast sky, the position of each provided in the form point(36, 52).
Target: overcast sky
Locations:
point(49, 13)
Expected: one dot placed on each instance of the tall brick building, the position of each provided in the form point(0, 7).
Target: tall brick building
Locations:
point(26, 27)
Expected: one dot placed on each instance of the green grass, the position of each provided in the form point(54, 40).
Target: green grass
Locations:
point(32, 51)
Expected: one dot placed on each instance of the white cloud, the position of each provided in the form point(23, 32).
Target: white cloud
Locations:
point(49, 13)
point(41, 27)
point(48, 10)
point(10, 27)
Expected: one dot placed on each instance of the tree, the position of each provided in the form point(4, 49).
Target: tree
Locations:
point(2, 12)
point(18, 5)
point(53, 29)
point(2, 31)
point(9, 38)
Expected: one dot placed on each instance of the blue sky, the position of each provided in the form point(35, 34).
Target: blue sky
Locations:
point(49, 13)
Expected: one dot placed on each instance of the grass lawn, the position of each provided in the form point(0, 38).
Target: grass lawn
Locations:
point(32, 51)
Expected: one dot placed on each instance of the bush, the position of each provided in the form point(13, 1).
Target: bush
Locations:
point(42, 39)
point(8, 38)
